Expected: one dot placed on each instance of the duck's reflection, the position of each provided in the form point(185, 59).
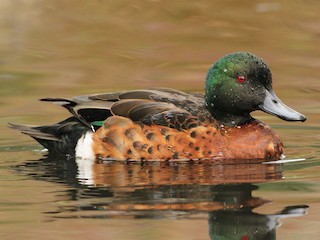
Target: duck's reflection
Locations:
point(244, 224)
point(162, 190)
point(117, 174)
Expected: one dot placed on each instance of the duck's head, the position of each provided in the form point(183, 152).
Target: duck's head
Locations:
point(240, 83)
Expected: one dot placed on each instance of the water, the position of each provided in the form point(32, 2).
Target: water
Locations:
point(67, 48)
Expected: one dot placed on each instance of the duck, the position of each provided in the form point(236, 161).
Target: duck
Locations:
point(161, 124)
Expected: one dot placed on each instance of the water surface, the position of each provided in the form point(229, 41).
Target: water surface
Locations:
point(67, 48)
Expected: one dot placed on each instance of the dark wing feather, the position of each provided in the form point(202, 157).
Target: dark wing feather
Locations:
point(174, 119)
point(84, 109)
point(93, 110)
point(149, 109)
point(113, 96)
point(123, 107)
point(158, 113)
point(136, 109)
point(170, 91)
point(162, 106)
point(137, 94)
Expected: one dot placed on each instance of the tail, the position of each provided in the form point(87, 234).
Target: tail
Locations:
point(58, 138)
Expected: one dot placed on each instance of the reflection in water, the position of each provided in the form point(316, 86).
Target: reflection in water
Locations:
point(161, 173)
point(244, 224)
point(166, 190)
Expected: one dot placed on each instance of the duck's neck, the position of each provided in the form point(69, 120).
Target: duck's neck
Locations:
point(230, 119)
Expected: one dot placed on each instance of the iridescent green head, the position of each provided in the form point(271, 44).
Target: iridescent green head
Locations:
point(240, 83)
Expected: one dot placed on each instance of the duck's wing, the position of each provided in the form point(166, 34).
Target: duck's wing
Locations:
point(162, 106)
point(84, 109)
point(166, 107)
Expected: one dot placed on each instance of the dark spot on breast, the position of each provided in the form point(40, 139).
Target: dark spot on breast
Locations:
point(159, 147)
point(193, 134)
point(150, 150)
point(137, 144)
point(129, 152)
point(129, 133)
point(144, 146)
point(150, 136)
point(168, 138)
point(191, 144)
point(197, 148)
point(190, 154)
point(208, 132)
point(163, 131)
point(209, 152)
point(203, 137)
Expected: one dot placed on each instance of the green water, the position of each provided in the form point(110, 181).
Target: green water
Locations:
point(68, 48)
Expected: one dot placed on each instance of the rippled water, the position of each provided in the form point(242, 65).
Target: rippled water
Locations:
point(66, 48)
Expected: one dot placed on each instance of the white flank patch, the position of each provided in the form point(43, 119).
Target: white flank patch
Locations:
point(85, 159)
point(84, 147)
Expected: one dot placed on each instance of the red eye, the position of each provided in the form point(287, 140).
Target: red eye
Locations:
point(241, 79)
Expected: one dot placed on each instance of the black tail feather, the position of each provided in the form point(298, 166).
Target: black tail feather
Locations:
point(60, 138)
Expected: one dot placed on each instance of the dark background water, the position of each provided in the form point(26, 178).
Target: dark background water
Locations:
point(67, 48)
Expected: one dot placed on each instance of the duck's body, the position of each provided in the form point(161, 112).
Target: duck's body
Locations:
point(162, 124)
point(253, 140)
